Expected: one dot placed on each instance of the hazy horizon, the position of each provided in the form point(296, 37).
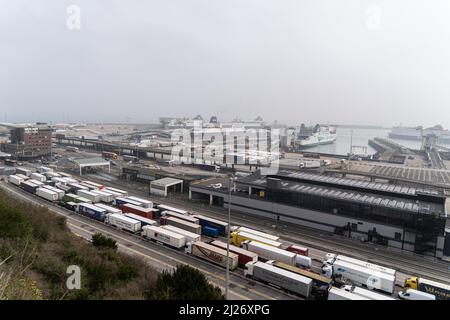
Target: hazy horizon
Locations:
point(344, 62)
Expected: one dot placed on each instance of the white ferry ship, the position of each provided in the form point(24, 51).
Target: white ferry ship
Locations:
point(416, 133)
point(309, 137)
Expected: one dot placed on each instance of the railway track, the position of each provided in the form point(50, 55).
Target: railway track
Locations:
point(214, 272)
point(291, 234)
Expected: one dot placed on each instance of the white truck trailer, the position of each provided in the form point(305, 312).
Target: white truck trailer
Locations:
point(122, 222)
point(341, 294)
point(14, 179)
point(183, 224)
point(181, 216)
point(38, 177)
point(89, 195)
point(266, 252)
point(164, 236)
point(104, 196)
point(369, 294)
point(145, 203)
point(330, 257)
point(47, 194)
point(122, 192)
point(144, 221)
point(358, 275)
point(108, 209)
point(281, 278)
point(190, 236)
point(259, 233)
point(60, 192)
point(213, 254)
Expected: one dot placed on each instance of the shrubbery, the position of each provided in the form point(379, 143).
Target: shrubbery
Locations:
point(39, 248)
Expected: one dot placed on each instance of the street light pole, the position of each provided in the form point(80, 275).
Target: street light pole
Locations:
point(228, 240)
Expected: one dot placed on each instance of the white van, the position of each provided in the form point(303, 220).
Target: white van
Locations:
point(411, 294)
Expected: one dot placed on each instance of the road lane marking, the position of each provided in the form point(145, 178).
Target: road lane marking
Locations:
point(54, 209)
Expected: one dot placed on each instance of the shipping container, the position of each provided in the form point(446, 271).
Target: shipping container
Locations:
point(340, 294)
point(122, 222)
point(47, 194)
point(238, 237)
point(164, 236)
point(210, 231)
point(14, 179)
point(104, 196)
point(92, 211)
point(210, 222)
point(69, 197)
point(38, 177)
point(190, 237)
point(213, 254)
point(244, 256)
point(267, 252)
point(191, 227)
point(259, 233)
point(281, 278)
point(89, 195)
point(122, 192)
point(298, 250)
point(143, 212)
point(181, 216)
point(144, 221)
point(144, 203)
point(108, 209)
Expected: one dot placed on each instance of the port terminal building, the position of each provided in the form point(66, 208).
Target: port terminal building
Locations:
point(401, 217)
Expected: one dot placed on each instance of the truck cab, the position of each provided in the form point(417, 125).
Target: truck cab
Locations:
point(412, 283)
point(411, 294)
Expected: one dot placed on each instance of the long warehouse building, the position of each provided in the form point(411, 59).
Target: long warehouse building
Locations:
point(402, 217)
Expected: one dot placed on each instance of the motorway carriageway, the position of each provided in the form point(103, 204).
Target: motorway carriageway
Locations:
point(319, 242)
point(158, 256)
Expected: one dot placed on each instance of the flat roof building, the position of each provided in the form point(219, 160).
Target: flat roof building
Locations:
point(29, 142)
point(398, 216)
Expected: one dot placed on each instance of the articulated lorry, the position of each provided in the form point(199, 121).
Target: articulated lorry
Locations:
point(281, 278)
point(440, 290)
point(343, 271)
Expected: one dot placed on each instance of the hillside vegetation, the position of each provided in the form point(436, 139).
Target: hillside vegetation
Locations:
point(36, 248)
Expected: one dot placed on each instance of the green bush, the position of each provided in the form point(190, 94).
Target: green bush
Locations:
point(185, 283)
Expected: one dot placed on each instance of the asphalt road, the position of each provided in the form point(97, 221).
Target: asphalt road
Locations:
point(158, 256)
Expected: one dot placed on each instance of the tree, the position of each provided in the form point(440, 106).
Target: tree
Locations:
point(100, 241)
point(185, 283)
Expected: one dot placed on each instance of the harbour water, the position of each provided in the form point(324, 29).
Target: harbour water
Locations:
point(359, 137)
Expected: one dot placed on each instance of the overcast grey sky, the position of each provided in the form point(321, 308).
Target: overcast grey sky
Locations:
point(342, 61)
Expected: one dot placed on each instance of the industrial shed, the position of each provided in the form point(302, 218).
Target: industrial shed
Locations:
point(92, 162)
point(160, 187)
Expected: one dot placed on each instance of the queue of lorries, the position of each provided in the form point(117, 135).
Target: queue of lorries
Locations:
point(262, 256)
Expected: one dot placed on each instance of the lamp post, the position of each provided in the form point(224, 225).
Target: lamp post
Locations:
point(227, 277)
